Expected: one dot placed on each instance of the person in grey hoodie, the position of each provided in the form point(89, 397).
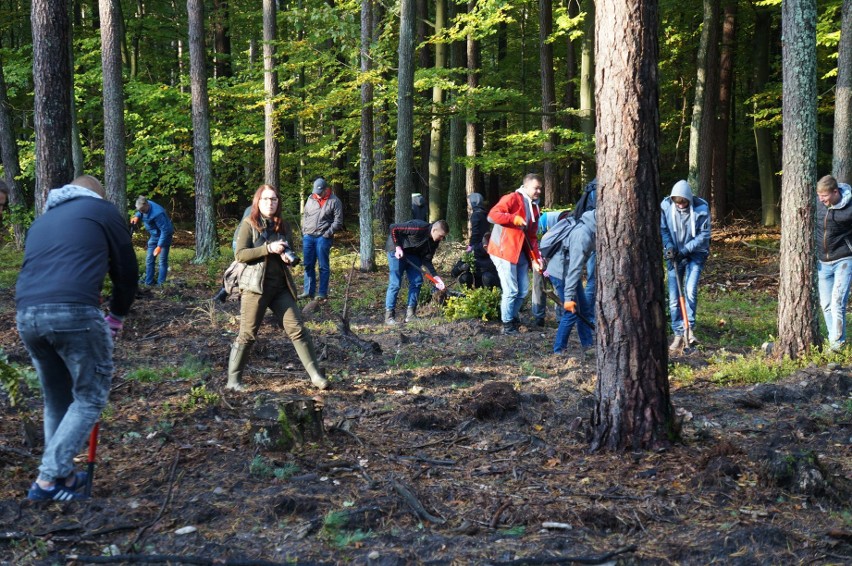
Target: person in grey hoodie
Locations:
point(685, 227)
point(834, 251)
point(565, 270)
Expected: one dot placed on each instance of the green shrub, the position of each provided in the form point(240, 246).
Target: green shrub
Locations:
point(481, 303)
point(13, 376)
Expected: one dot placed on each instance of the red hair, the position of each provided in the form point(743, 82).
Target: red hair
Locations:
point(256, 219)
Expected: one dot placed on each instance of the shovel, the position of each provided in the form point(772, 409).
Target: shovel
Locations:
point(93, 447)
point(681, 299)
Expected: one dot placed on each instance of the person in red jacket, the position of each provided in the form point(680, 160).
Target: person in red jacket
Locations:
point(514, 247)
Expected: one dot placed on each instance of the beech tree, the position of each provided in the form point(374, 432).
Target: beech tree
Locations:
point(842, 154)
point(405, 112)
point(115, 163)
point(272, 167)
point(797, 321)
point(633, 409)
point(365, 176)
point(548, 101)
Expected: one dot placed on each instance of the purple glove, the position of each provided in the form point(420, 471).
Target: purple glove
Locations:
point(115, 324)
point(468, 249)
point(545, 274)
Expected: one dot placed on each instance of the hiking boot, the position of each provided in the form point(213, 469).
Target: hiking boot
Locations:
point(410, 314)
point(236, 364)
point(677, 346)
point(305, 295)
point(509, 329)
point(390, 319)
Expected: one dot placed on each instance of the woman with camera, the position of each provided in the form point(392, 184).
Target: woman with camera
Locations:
point(266, 282)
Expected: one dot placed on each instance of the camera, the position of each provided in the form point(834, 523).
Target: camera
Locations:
point(290, 257)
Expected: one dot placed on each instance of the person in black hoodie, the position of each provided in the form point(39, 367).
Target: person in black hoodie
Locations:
point(484, 273)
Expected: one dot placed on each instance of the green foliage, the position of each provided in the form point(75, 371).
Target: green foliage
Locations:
point(756, 368)
point(481, 303)
point(13, 377)
point(333, 530)
point(10, 265)
point(199, 397)
point(148, 375)
point(264, 468)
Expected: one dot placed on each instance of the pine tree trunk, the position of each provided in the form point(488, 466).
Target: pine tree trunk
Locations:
point(633, 408)
point(704, 107)
point(719, 198)
point(205, 219)
point(842, 162)
point(10, 160)
point(435, 141)
point(769, 194)
point(548, 102)
point(52, 97)
point(456, 202)
point(272, 166)
point(587, 86)
point(405, 116)
point(222, 36)
point(472, 183)
point(365, 171)
point(797, 322)
point(115, 159)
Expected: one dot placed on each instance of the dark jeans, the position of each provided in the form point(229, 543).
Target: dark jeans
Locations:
point(317, 248)
point(396, 267)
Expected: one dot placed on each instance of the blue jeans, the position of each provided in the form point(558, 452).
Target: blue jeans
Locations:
point(317, 248)
point(690, 270)
point(149, 263)
point(834, 279)
point(396, 267)
point(514, 284)
point(590, 286)
point(568, 319)
point(71, 349)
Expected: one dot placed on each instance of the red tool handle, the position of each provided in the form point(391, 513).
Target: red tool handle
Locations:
point(93, 442)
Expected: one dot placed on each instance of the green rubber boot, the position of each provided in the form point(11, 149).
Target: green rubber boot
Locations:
point(236, 364)
point(305, 350)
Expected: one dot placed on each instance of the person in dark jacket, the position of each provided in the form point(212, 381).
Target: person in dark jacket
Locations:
point(322, 218)
point(484, 273)
point(834, 252)
point(160, 232)
point(69, 339)
point(411, 246)
point(419, 207)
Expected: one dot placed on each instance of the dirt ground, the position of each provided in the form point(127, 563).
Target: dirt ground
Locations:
point(444, 443)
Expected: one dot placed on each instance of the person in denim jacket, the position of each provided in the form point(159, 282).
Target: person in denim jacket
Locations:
point(685, 227)
point(160, 232)
point(69, 339)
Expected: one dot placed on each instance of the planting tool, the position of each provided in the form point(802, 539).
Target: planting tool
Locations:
point(433, 280)
point(551, 294)
point(93, 447)
point(681, 299)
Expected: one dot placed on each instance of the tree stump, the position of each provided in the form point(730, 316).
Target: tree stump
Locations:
point(285, 422)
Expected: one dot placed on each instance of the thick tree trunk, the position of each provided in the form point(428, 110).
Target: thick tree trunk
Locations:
point(52, 97)
point(365, 168)
point(569, 99)
point(719, 200)
point(587, 86)
point(472, 183)
point(769, 195)
point(405, 116)
point(456, 202)
point(382, 211)
point(115, 158)
point(633, 408)
point(548, 102)
point(797, 322)
point(435, 192)
point(10, 161)
point(423, 56)
point(222, 36)
point(704, 108)
point(272, 166)
point(842, 162)
point(205, 218)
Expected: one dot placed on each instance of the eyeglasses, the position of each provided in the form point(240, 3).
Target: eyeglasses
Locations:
point(270, 199)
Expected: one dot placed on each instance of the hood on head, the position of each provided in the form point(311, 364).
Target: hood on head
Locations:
point(475, 200)
point(682, 189)
point(417, 199)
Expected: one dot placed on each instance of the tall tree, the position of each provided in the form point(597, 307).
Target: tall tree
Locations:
point(769, 195)
point(10, 161)
point(797, 322)
point(842, 154)
point(719, 200)
point(115, 162)
point(472, 182)
point(405, 112)
point(205, 218)
point(365, 176)
point(587, 82)
point(52, 97)
point(704, 107)
point(222, 38)
point(548, 100)
point(272, 167)
point(633, 409)
point(456, 202)
point(435, 139)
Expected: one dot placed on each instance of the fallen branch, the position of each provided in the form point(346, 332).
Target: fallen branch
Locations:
point(174, 559)
point(165, 503)
point(569, 559)
point(414, 504)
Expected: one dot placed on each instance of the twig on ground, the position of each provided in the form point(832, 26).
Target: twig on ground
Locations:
point(495, 520)
point(165, 502)
point(414, 504)
point(174, 559)
point(569, 559)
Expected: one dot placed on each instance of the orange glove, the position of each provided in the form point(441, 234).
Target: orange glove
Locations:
point(570, 306)
point(157, 251)
point(134, 220)
point(518, 221)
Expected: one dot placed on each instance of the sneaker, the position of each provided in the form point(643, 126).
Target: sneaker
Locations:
point(677, 346)
point(78, 483)
point(305, 295)
point(59, 492)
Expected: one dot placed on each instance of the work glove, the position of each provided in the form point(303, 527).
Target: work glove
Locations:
point(670, 254)
point(157, 251)
point(134, 220)
point(536, 265)
point(570, 306)
point(439, 283)
point(468, 249)
point(519, 221)
point(398, 253)
point(115, 324)
point(545, 274)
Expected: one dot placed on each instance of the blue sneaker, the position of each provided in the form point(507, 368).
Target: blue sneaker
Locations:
point(59, 492)
point(79, 481)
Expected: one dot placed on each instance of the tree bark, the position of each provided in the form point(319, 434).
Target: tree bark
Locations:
point(769, 194)
point(405, 116)
point(548, 102)
point(704, 108)
point(719, 200)
point(797, 322)
point(587, 86)
point(52, 97)
point(205, 219)
point(222, 35)
point(456, 202)
point(272, 166)
point(435, 192)
point(842, 154)
point(381, 184)
point(115, 158)
point(11, 162)
point(633, 408)
point(365, 171)
point(472, 135)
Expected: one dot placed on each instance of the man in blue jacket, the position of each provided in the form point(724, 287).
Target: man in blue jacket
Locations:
point(685, 227)
point(834, 251)
point(160, 232)
point(59, 319)
point(566, 270)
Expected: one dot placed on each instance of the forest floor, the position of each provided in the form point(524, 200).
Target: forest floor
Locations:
point(447, 443)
